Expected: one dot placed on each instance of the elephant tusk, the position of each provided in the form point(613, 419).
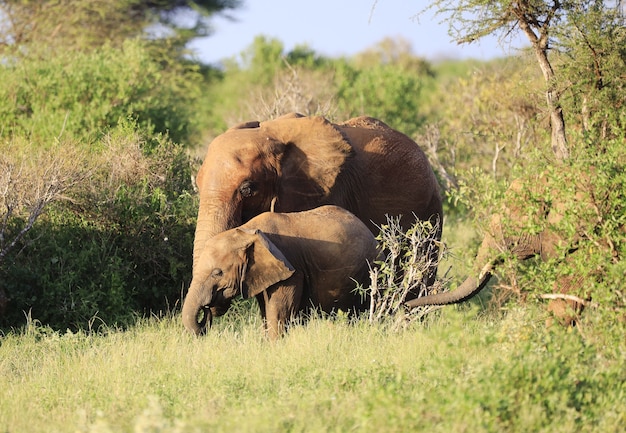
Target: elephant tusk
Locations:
point(273, 204)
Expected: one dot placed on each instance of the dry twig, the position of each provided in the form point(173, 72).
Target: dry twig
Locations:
point(403, 271)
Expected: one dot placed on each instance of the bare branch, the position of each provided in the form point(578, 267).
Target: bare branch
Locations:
point(402, 272)
point(294, 90)
point(29, 182)
point(568, 298)
point(430, 144)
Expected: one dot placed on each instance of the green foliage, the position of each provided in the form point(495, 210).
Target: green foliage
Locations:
point(384, 91)
point(264, 81)
point(80, 95)
point(594, 62)
point(96, 133)
point(583, 204)
point(390, 90)
point(84, 25)
point(593, 199)
point(488, 117)
point(120, 247)
point(586, 190)
point(578, 46)
point(458, 373)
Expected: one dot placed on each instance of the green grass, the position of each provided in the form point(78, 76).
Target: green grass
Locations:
point(460, 371)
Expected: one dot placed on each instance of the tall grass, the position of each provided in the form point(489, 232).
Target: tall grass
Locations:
point(458, 371)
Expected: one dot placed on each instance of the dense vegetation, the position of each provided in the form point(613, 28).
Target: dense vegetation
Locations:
point(103, 130)
point(101, 140)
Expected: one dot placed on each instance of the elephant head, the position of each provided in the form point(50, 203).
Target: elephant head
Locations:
point(289, 164)
point(237, 261)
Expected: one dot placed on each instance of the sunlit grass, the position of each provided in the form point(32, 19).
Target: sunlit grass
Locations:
point(458, 371)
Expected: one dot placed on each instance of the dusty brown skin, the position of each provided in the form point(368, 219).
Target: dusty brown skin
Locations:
point(504, 237)
point(301, 163)
point(289, 262)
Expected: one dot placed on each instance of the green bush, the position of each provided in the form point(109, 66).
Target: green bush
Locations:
point(386, 91)
point(588, 192)
point(264, 75)
point(120, 246)
point(78, 95)
point(118, 242)
point(597, 267)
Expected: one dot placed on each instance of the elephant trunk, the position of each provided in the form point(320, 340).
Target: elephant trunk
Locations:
point(212, 219)
point(196, 312)
point(470, 287)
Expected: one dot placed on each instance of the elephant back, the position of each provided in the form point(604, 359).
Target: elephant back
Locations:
point(396, 178)
point(329, 230)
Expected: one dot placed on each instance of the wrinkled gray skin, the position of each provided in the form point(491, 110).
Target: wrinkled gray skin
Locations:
point(300, 163)
point(290, 262)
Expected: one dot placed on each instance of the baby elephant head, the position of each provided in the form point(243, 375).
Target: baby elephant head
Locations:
point(235, 261)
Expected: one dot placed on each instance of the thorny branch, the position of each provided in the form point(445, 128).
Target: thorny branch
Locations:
point(403, 270)
point(26, 189)
point(294, 92)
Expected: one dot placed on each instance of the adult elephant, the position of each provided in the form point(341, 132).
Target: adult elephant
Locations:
point(295, 163)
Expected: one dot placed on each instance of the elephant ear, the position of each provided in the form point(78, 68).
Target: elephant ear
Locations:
point(266, 265)
point(367, 122)
point(251, 124)
point(245, 125)
point(315, 154)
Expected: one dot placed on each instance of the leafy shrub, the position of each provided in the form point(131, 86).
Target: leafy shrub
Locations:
point(265, 82)
point(488, 116)
point(118, 242)
point(79, 95)
point(386, 91)
point(120, 246)
point(587, 192)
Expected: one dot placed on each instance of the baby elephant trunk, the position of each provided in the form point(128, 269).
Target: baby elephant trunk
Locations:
point(196, 314)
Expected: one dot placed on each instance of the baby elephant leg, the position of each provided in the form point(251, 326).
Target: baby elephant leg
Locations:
point(282, 303)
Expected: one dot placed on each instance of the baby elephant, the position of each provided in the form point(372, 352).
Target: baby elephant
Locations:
point(289, 261)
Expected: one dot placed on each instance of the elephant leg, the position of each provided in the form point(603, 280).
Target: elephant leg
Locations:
point(261, 298)
point(282, 303)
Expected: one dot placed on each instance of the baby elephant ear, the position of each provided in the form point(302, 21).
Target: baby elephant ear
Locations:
point(266, 265)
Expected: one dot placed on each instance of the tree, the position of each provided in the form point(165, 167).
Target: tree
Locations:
point(394, 51)
point(544, 24)
point(593, 58)
point(488, 117)
point(82, 24)
point(579, 46)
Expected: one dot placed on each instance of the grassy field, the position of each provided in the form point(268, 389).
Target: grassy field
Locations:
point(460, 370)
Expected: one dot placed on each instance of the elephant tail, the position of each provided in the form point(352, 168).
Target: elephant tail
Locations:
point(469, 288)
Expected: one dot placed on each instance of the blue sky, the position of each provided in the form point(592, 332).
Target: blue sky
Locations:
point(338, 27)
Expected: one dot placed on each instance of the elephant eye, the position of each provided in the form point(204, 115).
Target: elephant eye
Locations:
point(217, 273)
point(247, 188)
